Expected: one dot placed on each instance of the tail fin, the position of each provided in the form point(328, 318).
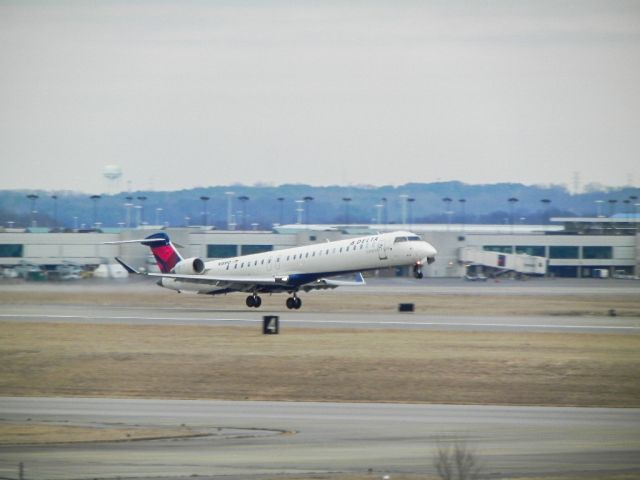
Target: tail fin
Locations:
point(166, 255)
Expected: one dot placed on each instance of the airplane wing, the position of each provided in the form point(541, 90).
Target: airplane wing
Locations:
point(327, 283)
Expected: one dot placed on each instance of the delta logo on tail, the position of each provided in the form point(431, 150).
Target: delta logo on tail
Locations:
point(167, 257)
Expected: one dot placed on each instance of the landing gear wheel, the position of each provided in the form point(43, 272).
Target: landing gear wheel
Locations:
point(417, 271)
point(254, 301)
point(293, 303)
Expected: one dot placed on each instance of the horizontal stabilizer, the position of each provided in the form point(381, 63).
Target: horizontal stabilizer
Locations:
point(146, 240)
point(127, 267)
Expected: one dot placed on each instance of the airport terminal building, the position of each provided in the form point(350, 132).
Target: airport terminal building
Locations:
point(570, 247)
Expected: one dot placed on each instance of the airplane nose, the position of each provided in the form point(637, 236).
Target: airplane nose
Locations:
point(430, 250)
point(429, 253)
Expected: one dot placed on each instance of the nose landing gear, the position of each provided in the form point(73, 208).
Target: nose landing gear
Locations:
point(417, 271)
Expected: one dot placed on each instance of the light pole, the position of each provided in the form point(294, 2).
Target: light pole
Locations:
point(127, 211)
point(512, 202)
point(307, 208)
point(410, 201)
point(546, 202)
point(379, 212)
point(281, 202)
point(159, 211)
point(447, 202)
point(138, 215)
point(95, 199)
point(612, 207)
point(142, 199)
point(347, 201)
point(299, 211)
point(599, 204)
point(231, 225)
point(33, 197)
point(463, 208)
point(55, 211)
point(205, 210)
point(385, 215)
point(243, 201)
point(403, 206)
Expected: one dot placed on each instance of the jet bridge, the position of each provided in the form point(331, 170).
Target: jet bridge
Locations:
point(480, 262)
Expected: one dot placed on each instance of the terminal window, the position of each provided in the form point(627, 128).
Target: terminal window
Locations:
point(11, 250)
point(535, 250)
point(250, 249)
point(563, 252)
point(498, 248)
point(221, 251)
point(596, 253)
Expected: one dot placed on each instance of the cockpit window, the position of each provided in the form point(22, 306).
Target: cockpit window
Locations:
point(400, 239)
point(414, 239)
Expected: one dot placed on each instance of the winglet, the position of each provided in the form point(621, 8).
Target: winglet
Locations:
point(127, 267)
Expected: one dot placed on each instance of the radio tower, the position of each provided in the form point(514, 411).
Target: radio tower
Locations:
point(576, 183)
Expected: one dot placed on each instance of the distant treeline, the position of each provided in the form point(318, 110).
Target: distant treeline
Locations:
point(262, 206)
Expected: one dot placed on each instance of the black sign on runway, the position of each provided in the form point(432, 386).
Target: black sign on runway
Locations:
point(270, 324)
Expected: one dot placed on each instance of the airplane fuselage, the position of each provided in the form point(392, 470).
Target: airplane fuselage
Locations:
point(295, 267)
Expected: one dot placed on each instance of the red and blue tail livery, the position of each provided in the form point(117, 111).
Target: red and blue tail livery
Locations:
point(166, 255)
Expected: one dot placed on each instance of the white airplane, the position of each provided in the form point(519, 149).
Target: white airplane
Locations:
point(289, 270)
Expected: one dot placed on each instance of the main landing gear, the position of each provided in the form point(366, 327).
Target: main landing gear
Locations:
point(417, 271)
point(294, 302)
point(254, 301)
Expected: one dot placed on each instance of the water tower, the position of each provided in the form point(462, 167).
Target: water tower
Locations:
point(112, 173)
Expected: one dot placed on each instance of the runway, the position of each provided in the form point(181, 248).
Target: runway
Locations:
point(273, 438)
point(324, 437)
point(253, 318)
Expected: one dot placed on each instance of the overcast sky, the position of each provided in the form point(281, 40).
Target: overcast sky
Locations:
point(198, 93)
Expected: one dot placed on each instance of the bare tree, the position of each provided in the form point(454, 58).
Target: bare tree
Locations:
point(456, 462)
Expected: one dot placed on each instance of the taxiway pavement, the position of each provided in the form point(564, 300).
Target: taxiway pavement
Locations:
point(324, 437)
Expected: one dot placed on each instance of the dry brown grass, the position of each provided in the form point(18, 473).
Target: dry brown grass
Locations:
point(324, 365)
point(30, 434)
